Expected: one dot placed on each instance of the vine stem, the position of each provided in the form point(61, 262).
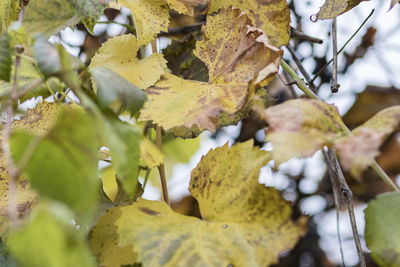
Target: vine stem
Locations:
point(334, 83)
point(161, 168)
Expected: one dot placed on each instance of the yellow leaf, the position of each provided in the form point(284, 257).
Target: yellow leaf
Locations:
point(238, 54)
point(109, 180)
point(272, 17)
point(104, 242)
point(333, 8)
point(187, 108)
point(186, 7)
point(38, 120)
point(150, 154)
point(245, 224)
point(120, 55)
point(358, 150)
point(298, 128)
point(236, 58)
point(150, 17)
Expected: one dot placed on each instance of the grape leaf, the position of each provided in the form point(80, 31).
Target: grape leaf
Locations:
point(120, 55)
point(104, 242)
point(298, 128)
point(150, 154)
point(236, 58)
point(47, 56)
point(333, 8)
point(358, 150)
point(392, 3)
point(49, 239)
point(113, 88)
point(49, 17)
point(382, 229)
point(186, 7)
point(250, 230)
point(89, 11)
point(63, 166)
point(272, 17)
point(5, 57)
point(150, 17)
point(9, 10)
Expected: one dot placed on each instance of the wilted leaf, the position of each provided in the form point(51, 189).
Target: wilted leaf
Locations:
point(49, 239)
point(186, 108)
point(9, 10)
point(64, 164)
point(333, 8)
point(112, 88)
point(251, 232)
point(48, 17)
point(392, 3)
point(186, 7)
point(369, 102)
point(104, 242)
point(5, 57)
point(382, 229)
point(298, 128)
point(235, 58)
point(358, 150)
point(272, 17)
point(150, 17)
point(150, 154)
point(120, 55)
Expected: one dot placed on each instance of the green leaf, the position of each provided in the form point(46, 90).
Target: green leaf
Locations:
point(245, 224)
point(49, 239)
point(150, 17)
point(5, 57)
point(46, 56)
point(6, 260)
point(64, 164)
point(48, 16)
point(272, 17)
point(382, 229)
point(119, 54)
point(89, 11)
point(9, 10)
point(113, 88)
point(333, 8)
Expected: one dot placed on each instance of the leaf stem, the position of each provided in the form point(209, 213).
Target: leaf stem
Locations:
point(161, 168)
point(334, 83)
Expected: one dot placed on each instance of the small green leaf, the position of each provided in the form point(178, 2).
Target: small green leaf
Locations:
point(111, 88)
point(5, 57)
point(49, 239)
point(382, 229)
point(89, 11)
point(46, 56)
point(64, 164)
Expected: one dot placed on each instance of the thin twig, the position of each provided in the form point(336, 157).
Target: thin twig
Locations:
point(346, 198)
point(334, 82)
point(343, 47)
point(303, 36)
point(301, 68)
